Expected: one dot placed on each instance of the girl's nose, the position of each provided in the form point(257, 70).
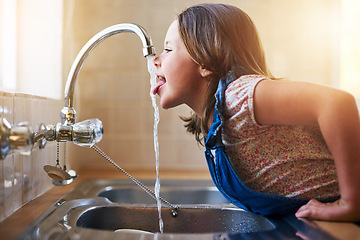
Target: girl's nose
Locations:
point(157, 62)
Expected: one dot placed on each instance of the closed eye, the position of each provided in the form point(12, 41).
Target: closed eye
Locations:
point(167, 50)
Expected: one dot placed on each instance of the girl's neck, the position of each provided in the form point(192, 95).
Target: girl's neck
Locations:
point(211, 118)
point(198, 103)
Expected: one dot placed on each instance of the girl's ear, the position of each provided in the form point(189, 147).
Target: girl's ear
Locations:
point(204, 72)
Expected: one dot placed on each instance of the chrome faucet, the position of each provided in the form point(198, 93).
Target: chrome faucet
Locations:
point(68, 113)
point(88, 132)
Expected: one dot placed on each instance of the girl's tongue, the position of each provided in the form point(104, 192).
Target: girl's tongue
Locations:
point(155, 87)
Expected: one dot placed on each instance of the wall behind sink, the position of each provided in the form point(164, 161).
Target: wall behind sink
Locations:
point(113, 84)
point(22, 178)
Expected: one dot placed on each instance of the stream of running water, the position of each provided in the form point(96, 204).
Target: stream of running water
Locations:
point(152, 70)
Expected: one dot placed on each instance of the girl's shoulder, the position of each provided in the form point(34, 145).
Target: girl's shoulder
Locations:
point(245, 81)
point(243, 87)
point(239, 95)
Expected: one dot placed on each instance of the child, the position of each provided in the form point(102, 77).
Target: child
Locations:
point(271, 145)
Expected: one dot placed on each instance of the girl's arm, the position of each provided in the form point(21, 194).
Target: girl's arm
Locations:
point(336, 113)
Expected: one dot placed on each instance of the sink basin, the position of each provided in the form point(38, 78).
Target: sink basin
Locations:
point(188, 220)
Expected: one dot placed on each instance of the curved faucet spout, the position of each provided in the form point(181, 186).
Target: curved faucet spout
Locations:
point(68, 113)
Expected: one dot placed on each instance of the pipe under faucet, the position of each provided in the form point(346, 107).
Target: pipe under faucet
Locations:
point(68, 113)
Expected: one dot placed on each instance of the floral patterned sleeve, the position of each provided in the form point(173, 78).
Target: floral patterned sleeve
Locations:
point(285, 160)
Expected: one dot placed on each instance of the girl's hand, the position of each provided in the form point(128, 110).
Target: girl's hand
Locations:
point(335, 211)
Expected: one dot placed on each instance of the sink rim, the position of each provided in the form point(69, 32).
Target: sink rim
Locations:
point(176, 195)
point(91, 187)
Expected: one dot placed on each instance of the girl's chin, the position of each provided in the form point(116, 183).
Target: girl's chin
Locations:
point(166, 104)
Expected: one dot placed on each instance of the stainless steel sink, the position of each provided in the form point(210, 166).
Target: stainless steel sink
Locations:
point(97, 208)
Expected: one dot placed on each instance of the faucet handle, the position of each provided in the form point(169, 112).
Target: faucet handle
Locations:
point(22, 138)
point(87, 132)
point(19, 138)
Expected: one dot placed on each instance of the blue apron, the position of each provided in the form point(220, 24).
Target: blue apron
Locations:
point(227, 181)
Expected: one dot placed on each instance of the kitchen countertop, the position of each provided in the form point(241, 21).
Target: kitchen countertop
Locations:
point(18, 221)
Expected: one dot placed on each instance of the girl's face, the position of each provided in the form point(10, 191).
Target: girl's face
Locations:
point(180, 78)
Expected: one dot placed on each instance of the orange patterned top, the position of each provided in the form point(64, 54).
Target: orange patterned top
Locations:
point(291, 161)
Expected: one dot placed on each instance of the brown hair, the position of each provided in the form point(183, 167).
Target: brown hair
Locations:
point(221, 38)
